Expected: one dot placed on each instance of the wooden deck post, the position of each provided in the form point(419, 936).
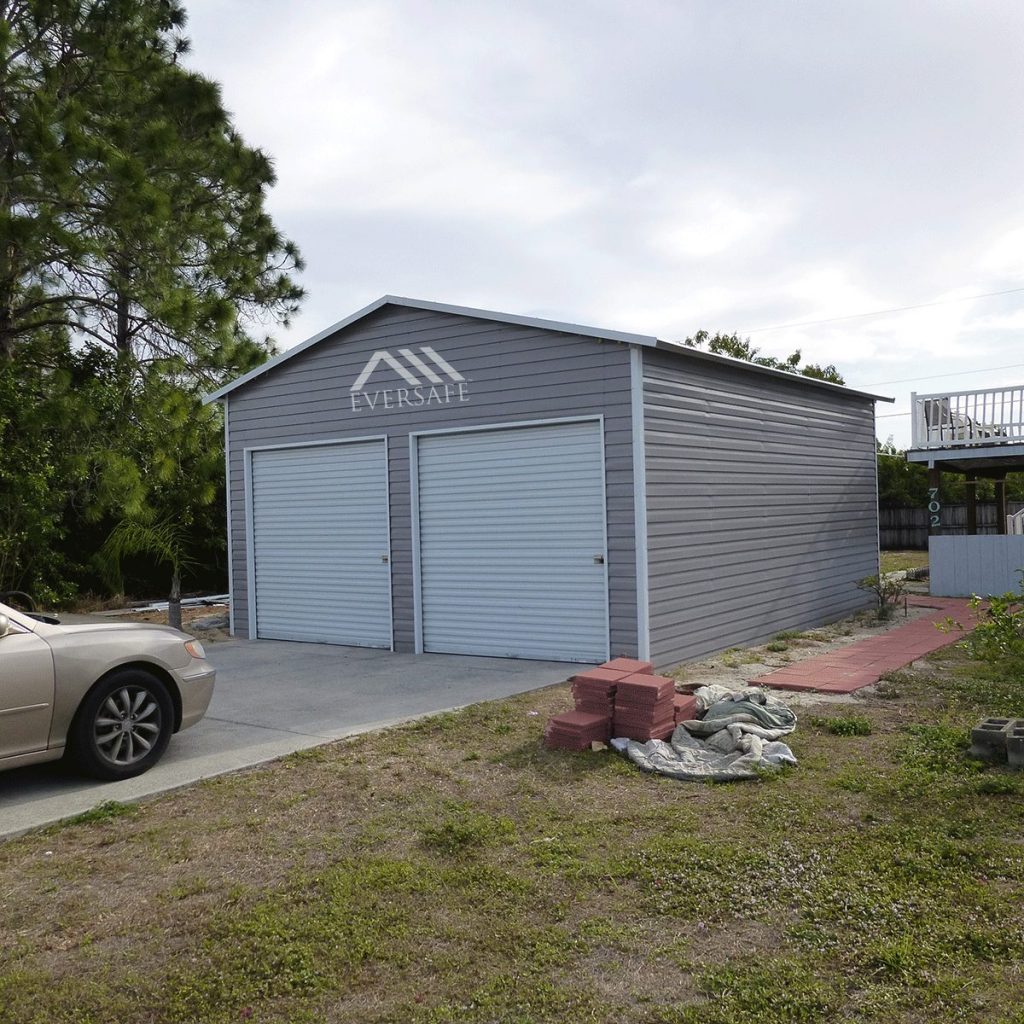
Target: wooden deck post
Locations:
point(1000, 484)
point(971, 488)
point(934, 501)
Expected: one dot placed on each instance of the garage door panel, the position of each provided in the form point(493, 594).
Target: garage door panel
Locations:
point(320, 534)
point(510, 522)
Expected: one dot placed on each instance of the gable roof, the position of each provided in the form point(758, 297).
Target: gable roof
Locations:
point(645, 340)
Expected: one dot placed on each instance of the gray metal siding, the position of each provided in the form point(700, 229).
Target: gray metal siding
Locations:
point(515, 373)
point(761, 505)
point(965, 566)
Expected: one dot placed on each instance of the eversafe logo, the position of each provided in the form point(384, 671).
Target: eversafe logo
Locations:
point(427, 386)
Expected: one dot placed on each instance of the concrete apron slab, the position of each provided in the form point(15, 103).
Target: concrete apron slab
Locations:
point(273, 698)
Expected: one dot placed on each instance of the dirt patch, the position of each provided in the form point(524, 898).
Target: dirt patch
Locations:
point(191, 620)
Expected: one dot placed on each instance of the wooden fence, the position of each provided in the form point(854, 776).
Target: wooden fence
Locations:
point(902, 529)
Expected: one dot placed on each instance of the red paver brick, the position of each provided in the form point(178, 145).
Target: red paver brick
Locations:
point(628, 665)
point(685, 707)
point(648, 679)
point(595, 676)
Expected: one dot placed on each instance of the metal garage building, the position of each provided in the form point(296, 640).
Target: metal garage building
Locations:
point(433, 478)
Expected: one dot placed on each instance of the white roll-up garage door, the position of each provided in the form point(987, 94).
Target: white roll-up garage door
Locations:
point(511, 527)
point(320, 544)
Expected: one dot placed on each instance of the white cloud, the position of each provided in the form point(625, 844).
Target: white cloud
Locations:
point(654, 167)
point(1004, 256)
point(710, 222)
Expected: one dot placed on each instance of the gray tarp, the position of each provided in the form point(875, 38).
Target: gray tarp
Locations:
point(737, 736)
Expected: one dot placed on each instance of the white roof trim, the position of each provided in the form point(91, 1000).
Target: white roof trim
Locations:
point(646, 340)
point(437, 307)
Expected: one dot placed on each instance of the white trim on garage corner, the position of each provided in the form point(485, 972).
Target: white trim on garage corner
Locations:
point(878, 515)
point(250, 546)
point(417, 569)
point(604, 526)
point(643, 614)
point(414, 498)
point(227, 503)
point(391, 556)
point(250, 549)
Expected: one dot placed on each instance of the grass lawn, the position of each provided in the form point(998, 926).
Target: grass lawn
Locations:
point(455, 871)
point(893, 561)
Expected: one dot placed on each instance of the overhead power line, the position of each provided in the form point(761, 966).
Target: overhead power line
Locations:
point(939, 376)
point(882, 312)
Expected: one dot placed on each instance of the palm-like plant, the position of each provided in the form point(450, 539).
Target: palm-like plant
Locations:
point(164, 540)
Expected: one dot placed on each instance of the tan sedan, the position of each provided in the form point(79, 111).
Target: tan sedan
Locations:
point(109, 695)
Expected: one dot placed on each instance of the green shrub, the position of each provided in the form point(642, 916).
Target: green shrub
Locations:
point(845, 725)
point(887, 590)
point(998, 638)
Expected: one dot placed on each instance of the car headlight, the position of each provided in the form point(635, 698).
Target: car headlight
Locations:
point(195, 648)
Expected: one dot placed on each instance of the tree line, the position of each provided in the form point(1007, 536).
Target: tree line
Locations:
point(139, 268)
point(903, 484)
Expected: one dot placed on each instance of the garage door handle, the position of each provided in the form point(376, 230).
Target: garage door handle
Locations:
point(385, 559)
point(598, 559)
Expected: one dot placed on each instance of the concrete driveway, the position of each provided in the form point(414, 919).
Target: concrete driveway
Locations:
point(273, 698)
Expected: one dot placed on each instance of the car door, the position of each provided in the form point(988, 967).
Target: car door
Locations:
point(26, 692)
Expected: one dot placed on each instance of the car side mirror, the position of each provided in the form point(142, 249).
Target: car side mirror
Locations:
point(5, 625)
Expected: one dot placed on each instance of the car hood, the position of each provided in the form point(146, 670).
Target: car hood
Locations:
point(107, 627)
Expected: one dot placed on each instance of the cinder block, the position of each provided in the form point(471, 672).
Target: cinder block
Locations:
point(1015, 744)
point(988, 739)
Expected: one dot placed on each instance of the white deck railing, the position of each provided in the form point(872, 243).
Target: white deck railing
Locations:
point(964, 418)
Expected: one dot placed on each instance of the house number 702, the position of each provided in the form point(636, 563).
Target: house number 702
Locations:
point(934, 508)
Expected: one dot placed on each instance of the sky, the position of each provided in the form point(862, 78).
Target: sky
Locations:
point(655, 167)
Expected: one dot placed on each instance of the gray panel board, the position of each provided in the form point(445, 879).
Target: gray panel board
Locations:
point(984, 565)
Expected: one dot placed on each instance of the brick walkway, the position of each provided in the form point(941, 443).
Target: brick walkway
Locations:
point(863, 662)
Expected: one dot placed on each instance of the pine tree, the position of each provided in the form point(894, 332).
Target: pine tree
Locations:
point(136, 258)
point(131, 212)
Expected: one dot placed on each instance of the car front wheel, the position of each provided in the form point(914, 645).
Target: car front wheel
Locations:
point(123, 725)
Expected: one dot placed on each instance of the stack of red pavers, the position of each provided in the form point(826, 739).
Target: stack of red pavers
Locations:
point(594, 695)
point(619, 698)
point(644, 707)
point(593, 691)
